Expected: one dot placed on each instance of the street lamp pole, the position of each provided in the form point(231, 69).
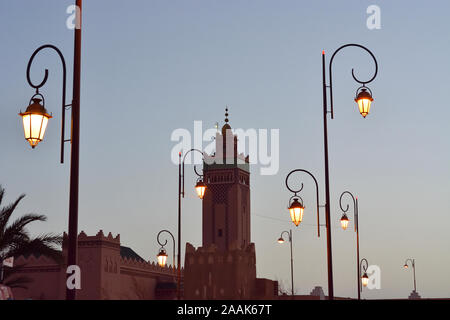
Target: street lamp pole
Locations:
point(325, 128)
point(413, 264)
point(300, 206)
point(281, 240)
point(35, 120)
point(75, 153)
point(180, 195)
point(356, 218)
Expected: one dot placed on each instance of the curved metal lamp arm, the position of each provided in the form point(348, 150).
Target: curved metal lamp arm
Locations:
point(410, 260)
point(163, 244)
point(301, 188)
point(38, 86)
point(195, 169)
point(353, 72)
point(289, 233)
point(413, 264)
point(366, 265)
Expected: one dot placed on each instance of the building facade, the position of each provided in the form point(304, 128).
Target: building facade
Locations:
point(108, 271)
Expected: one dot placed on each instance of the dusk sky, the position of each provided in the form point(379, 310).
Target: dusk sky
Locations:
point(151, 67)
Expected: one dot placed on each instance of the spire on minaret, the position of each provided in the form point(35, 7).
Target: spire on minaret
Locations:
point(226, 126)
point(226, 114)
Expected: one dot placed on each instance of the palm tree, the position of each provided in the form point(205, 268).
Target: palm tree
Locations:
point(15, 240)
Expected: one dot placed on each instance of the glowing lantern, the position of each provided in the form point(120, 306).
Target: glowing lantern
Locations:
point(162, 258)
point(281, 240)
point(344, 221)
point(365, 280)
point(364, 100)
point(296, 210)
point(35, 120)
point(200, 187)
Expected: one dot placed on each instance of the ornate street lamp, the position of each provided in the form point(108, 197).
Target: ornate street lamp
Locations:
point(201, 189)
point(162, 257)
point(281, 240)
point(344, 222)
point(296, 210)
point(364, 100)
point(295, 207)
point(365, 280)
point(413, 264)
point(364, 277)
point(35, 120)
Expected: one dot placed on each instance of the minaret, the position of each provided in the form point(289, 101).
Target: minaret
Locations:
point(226, 206)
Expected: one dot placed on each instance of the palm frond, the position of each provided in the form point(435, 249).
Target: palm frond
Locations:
point(6, 212)
point(16, 231)
point(2, 193)
point(46, 245)
point(16, 241)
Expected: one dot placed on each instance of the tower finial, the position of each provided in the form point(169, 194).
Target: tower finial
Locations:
point(226, 115)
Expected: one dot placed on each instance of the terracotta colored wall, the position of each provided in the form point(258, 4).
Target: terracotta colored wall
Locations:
point(214, 274)
point(104, 273)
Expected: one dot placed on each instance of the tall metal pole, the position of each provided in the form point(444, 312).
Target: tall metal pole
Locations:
point(358, 271)
point(179, 229)
point(181, 194)
point(75, 152)
point(281, 240)
point(413, 264)
point(327, 185)
point(292, 265)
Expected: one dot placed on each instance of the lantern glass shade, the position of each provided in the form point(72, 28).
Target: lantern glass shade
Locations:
point(162, 258)
point(365, 280)
point(405, 266)
point(280, 240)
point(200, 187)
point(364, 100)
point(35, 121)
point(344, 221)
point(296, 211)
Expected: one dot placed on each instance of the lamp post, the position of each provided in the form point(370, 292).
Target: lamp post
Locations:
point(35, 120)
point(200, 187)
point(162, 253)
point(363, 265)
point(363, 99)
point(281, 240)
point(344, 224)
point(413, 264)
point(296, 207)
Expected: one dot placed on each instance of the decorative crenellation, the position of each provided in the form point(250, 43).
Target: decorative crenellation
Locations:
point(112, 265)
point(225, 176)
point(147, 265)
point(34, 260)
